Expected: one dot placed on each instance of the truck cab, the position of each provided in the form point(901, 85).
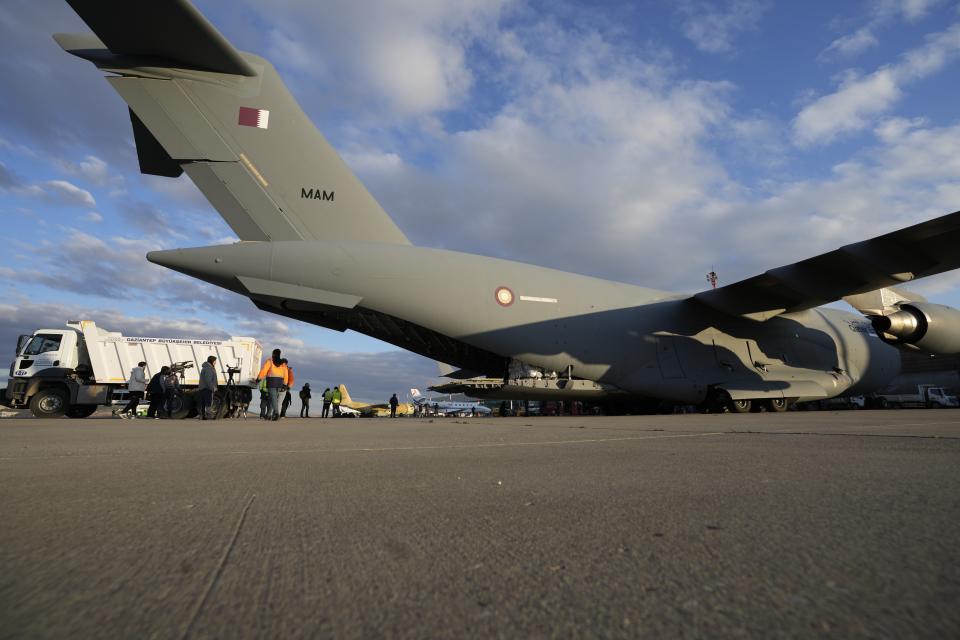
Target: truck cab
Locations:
point(46, 376)
point(938, 397)
point(45, 349)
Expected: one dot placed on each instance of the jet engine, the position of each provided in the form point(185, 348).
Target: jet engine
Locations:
point(933, 328)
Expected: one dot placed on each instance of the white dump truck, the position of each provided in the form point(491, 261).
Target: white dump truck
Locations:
point(70, 372)
point(927, 395)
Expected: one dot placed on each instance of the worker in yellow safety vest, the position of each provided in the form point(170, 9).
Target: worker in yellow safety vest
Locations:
point(335, 398)
point(277, 374)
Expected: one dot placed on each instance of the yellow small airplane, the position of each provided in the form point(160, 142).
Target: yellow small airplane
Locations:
point(368, 410)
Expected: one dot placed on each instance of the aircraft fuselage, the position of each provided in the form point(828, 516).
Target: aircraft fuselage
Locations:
point(634, 340)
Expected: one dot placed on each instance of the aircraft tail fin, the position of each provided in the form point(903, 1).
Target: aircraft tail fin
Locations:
point(416, 396)
point(345, 395)
point(225, 118)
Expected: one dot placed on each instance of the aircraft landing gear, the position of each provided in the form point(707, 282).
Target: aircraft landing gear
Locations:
point(777, 405)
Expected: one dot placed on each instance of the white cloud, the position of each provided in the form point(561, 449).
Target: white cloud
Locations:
point(92, 216)
point(713, 29)
point(853, 43)
point(93, 170)
point(880, 14)
point(851, 108)
point(116, 268)
point(861, 99)
point(411, 56)
point(913, 10)
point(63, 192)
point(577, 171)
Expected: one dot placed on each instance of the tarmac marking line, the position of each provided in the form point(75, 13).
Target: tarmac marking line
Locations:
point(479, 446)
point(849, 435)
point(215, 578)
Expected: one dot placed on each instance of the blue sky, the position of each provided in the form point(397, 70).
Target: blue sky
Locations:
point(646, 142)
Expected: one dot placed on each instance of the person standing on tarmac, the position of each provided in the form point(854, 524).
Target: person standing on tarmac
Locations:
point(264, 399)
point(305, 401)
point(171, 388)
point(335, 398)
point(327, 399)
point(393, 405)
point(207, 386)
point(277, 375)
point(155, 390)
point(136, 385)
point(287, 398)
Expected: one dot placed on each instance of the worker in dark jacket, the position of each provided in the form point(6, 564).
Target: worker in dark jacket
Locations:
point(155, 392)
point(207, 386)
point(305, 401)
point(287, 398)
point(171, 389)
point(393, 405)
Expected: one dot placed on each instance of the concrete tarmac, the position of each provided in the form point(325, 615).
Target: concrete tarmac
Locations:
point(801, 525)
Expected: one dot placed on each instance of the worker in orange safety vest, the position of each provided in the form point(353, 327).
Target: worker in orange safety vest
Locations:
point(277, 374)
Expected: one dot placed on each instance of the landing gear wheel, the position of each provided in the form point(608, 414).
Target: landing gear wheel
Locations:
point(81, 411)
point(740, 406)
point(715, 402)
point(49, 403)
point(777, 405)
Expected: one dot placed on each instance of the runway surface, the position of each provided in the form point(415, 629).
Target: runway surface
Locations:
point(803, 525)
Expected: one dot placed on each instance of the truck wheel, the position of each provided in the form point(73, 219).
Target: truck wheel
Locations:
point(181, 406)
point(49, 403)
point(81, 410)
point(219, 405)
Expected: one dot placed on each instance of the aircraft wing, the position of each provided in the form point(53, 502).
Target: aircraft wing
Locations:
point(922, 250)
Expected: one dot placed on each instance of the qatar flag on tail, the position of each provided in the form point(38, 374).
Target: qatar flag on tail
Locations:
point(254, 117)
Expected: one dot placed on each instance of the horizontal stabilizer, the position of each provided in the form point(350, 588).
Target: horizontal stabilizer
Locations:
point(919, 251)
point(450, 371)
point(171, 30)
point(274, 289)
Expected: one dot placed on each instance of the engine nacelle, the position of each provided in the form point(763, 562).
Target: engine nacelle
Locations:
point(933, 328)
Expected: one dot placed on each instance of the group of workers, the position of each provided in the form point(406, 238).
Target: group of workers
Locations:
point(276, 381)
point(164, 387)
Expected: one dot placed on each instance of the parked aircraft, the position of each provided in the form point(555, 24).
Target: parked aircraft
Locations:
point(317, 247)
point(448, 407)
point(367, 409)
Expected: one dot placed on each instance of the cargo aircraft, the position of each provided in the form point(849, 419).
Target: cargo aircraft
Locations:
point(316, 246)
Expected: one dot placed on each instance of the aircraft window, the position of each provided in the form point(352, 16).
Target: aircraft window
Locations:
point(42, 343)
